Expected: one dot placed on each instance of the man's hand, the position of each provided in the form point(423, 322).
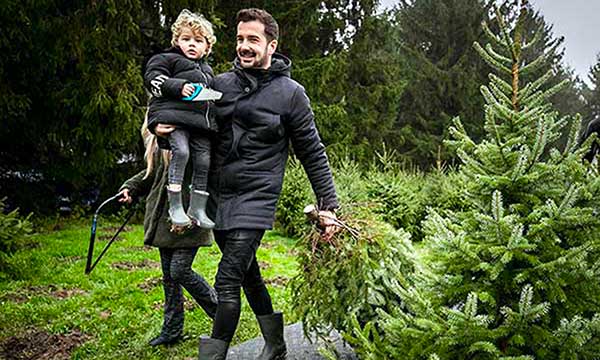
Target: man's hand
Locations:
point(164, 129)
point(125, 197)
point(329, 222)
point(187, 90)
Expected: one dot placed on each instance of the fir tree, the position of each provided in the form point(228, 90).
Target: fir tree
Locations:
point(443, 72)
point(73, 93)
point(516, 275)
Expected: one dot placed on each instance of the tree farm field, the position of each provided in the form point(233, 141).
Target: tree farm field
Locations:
point(54, 311)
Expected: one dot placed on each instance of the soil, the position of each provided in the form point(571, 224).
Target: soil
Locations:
point(277, 281)
point(188, 305)
point(150, 284)
point(140, 248)
point(107, 237)
point(26, 294)
point(113, 229)
point(41, 345)
point(106, 233)
point(131, 266)
point(105, 314)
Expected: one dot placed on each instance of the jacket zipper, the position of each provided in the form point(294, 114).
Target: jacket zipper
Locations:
point(206, 116)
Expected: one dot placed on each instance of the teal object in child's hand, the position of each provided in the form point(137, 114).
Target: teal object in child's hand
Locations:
point(202, 93)
point(197, 89)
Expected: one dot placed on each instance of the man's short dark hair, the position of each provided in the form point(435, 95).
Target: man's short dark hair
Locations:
point(254, 14)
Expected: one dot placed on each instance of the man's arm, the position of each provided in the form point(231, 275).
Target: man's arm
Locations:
point(311, 152)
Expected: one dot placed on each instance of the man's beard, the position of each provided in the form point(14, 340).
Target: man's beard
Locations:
point(256, 63)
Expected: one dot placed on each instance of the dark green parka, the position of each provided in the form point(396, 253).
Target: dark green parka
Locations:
point(156, 217)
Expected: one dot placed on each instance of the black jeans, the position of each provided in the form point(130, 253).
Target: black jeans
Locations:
point(238, 269)
point(177, 271)
point(183, 145)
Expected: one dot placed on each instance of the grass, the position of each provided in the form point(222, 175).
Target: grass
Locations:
point(119, 306)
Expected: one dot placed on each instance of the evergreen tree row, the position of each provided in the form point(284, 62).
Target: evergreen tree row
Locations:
point(73, 99)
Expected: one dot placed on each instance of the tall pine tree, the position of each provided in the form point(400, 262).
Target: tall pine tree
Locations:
point(444, 73)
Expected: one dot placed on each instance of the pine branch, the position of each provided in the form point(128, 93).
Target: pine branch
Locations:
point(498, 66)
point(500, 58)
point(572, 140)
point(535, 86)
point(499, 94)
point(496, 40)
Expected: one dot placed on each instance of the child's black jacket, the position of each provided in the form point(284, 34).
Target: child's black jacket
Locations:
point(164, 76)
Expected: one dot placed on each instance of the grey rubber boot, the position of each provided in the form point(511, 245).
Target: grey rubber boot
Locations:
point(197, 209)
point(176, 212)
point(212, 349)
point(271, 327)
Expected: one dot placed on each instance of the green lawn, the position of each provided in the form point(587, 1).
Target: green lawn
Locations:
point(117, 309)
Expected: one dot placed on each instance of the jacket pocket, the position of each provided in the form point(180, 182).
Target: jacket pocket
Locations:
point(269, 129)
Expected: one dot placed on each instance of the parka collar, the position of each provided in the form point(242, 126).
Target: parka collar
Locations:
point(280, 66)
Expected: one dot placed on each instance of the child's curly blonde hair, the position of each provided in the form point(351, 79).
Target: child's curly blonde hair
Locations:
point(197, 23)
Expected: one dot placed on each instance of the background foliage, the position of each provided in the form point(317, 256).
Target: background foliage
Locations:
point(71, 107)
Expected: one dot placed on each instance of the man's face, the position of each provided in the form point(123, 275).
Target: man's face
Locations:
point(253, 49)
point(193, 45)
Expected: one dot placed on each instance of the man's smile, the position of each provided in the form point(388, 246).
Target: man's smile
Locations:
point(246, 55)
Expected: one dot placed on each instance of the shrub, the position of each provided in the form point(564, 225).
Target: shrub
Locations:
point(13, 229)
point(444, 190)
point(399, 199)
point(295, 195)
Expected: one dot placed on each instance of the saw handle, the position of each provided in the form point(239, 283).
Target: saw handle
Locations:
point(197, 89)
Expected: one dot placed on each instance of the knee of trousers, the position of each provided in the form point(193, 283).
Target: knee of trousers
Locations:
point(228, 294)
point(258, 286)
point(181, 275)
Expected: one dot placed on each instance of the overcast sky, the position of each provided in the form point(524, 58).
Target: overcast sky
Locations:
point(578, 21)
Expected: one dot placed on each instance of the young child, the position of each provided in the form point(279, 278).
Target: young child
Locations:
point(173, 77)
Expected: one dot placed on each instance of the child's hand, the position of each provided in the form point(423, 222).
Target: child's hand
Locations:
point(187, 90)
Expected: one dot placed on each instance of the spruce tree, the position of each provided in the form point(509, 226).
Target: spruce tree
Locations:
point(443, 72)
point(516, 274)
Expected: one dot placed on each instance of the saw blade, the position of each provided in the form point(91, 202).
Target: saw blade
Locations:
point(202, 93)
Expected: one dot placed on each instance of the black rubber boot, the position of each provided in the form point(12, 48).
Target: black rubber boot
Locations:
point(172, 328)
point(176, 212)
point(164, 340)
point(271, 327)
point(197, 209)
point(212, 349)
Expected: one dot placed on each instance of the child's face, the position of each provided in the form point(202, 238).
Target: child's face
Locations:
point(193, 45)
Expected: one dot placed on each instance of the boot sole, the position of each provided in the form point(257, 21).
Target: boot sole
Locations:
point(196, 223)
point(281, 357)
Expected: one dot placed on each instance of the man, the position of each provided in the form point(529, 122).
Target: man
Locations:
point(261, 111)
point(593, 128)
